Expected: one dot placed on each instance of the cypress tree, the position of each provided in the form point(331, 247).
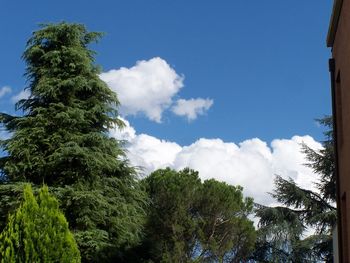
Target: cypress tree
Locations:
point(38, 232)
point(62, 140)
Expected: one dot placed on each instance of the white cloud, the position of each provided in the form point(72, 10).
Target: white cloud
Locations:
point(24, 94)
point(147, 151)
point(5, 90)
point(252, 163)
point(127, 133)
point(192, 108)
point(147, 88)
point(152, 153)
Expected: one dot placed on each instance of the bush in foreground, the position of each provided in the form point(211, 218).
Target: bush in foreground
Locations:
point(38, 232)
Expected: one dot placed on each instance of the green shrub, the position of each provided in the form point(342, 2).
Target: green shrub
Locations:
point(38, 232)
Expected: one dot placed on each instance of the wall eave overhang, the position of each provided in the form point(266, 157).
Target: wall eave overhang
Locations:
point(333, 25)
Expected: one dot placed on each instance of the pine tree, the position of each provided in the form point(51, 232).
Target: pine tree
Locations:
point(38, 232)
point(63, 136)
point(226, 234)
point(282, 228)
point(62, 140)
point(171, 228)
point(191, 221)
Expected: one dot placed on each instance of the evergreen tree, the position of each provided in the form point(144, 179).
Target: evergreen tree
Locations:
point(191, 221)
point(282, 229)
point(171, 228)
point(38, 232)
point(62, 140)
point(225, 233)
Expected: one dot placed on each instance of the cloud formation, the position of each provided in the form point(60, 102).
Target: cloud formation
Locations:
point(192, 108)
point(5, 90)
point(252, 163)
point(145, 151)
point(147, 87)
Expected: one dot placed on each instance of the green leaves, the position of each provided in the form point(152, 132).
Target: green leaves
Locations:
point(225, 232)
point(38, 232)
point(68, 103)
point(191, 221)
point(62, 140)
point(282, 229)
point(171, 226)
point(323, 162)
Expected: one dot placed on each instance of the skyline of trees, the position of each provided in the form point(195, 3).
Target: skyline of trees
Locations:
point(62, 141)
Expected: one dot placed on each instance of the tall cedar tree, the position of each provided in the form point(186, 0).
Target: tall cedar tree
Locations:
point(62, 140)
point(38, 232)
point(282, 228)
point(191, 221)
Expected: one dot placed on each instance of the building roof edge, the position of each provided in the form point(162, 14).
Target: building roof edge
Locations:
point(333, 25)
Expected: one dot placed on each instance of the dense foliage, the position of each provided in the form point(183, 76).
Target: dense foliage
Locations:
point(62, 140)
point(38, 232)
point(282, 229)
point(225, 232)
point(191, 221)
point(62, 136)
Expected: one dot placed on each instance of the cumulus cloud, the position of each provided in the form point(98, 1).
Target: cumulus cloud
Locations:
point(192, 108)
point(127, 133)
point(24, 94)
point(146, 88)
point(5, 90)
point(145, 151)
point(252, 163)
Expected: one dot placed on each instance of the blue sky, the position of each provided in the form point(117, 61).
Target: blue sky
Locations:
point(261, 65)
